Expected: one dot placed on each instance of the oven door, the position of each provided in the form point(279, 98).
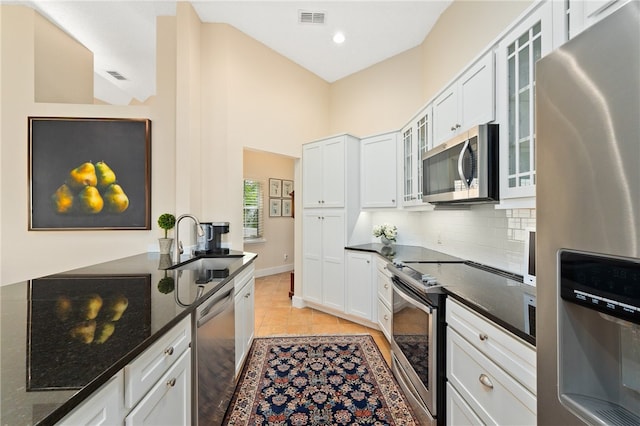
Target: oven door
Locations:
point(414, 343)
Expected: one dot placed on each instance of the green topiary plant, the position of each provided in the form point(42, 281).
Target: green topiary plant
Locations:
point(166, 221)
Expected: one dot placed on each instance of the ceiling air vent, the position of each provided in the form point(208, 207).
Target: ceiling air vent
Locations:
point(310, 17)
point(116, 75)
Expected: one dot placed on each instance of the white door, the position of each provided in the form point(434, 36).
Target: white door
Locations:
point(312, 255)
point(378, 171)
point(360, 287)
point(333, 173)
point(333, 271)
point(312, 175)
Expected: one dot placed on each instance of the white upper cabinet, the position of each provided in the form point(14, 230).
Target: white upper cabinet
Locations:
point(516, 55)
point(416, 140)
point(324, 172)
point(469, 101)
point(378, 171)
point(583, 14)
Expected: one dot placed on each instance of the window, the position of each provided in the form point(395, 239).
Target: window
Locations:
point(252, 213)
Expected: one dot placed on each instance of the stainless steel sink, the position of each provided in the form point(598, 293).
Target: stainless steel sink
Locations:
point(205, 264)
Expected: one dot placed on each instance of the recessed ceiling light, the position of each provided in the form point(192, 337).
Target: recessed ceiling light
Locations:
point(338, 38)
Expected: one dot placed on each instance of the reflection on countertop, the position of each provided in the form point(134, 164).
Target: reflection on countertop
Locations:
point(62, 336)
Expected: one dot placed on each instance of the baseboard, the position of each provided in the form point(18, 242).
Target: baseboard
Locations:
point(273, 270)
point(298, 302)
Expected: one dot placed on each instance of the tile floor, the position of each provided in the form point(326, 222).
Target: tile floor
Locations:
point(275, 315)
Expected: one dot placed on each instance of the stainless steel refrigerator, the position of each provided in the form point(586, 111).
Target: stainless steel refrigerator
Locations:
point(588, 226)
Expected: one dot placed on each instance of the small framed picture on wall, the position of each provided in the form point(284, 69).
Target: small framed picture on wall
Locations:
point(287, 188)
point(286, 208)
point(275, 207)
point(275, 187)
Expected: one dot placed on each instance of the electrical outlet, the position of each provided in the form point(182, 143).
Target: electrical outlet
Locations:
point(439, 238)
point(286, 256)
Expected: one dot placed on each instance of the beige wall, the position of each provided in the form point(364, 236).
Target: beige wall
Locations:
point(278, 231)
point(63, 67)
point(27, 254)
point(386, 95)
point(380, 98)
point(252, 98)
point(464, 30)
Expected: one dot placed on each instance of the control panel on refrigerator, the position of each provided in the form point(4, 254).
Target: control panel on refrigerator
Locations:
point(607, 284)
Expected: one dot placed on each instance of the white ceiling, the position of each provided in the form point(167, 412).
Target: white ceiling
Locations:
point(121, 34)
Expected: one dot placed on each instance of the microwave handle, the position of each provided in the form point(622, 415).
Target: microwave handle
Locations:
point(463, 178)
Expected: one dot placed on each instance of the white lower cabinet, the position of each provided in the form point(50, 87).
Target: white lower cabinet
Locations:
point(154, 389)
point(489, 372)
point(385, 296)
point(104, 407)
point(169, 400)
point(244, 314)
point(323, 274)
point(360, 287)
point(458, 411)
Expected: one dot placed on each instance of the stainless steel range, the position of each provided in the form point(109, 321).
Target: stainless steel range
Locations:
point(418, 339)
point(419, 329)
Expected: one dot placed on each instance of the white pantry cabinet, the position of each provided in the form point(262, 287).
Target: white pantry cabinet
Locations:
point(492, 372)
point(323, 242)
point(469, 101)
point(378, 171)
point(244, 314)
point(360, 285)
point(327, 169)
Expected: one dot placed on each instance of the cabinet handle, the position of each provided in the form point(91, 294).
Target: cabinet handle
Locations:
point(485, 380)
point(368, 261)
point(386, 317)
point(246, 296)
point(171, 383)
point(393, 201)
point(458, 126)
point(483, 336)
point(453, 128)
point(319, 202)
point(386, 286)
point(169, 351)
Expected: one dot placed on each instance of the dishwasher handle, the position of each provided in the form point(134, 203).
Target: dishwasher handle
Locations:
point(216, 304)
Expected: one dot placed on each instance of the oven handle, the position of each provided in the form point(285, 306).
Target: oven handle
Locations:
point(398, 289)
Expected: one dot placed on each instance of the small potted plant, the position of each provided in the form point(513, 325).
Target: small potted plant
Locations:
point(166, 221)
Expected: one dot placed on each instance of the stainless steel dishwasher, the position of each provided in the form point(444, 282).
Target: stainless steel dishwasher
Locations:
point(215, 356)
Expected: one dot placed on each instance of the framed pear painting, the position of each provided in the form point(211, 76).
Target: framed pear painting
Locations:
point(89, 173)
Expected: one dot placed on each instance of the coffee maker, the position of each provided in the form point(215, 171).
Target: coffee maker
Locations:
point(211, 241)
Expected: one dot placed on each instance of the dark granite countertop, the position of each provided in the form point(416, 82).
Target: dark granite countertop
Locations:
point(49, 361)
point(500, 297)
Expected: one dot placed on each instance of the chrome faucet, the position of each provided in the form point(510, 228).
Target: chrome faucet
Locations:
point(179, 249)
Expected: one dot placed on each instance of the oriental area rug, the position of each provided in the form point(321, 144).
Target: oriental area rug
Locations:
point(317, 380)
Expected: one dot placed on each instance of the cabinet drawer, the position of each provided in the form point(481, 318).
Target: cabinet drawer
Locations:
point(383, 276)
point(243, 278)
point(490, 392)
point(512, 354)
point(147, 368)
point(169, 401)
point(103, 407)
point(384, 319)
point(458, 411)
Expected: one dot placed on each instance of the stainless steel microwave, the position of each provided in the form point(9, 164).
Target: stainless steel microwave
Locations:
point(463, 170)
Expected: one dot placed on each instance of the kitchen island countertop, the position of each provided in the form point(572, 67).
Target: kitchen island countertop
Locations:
point(49, 366)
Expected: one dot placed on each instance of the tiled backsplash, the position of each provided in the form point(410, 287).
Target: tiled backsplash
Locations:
point(481, 233)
